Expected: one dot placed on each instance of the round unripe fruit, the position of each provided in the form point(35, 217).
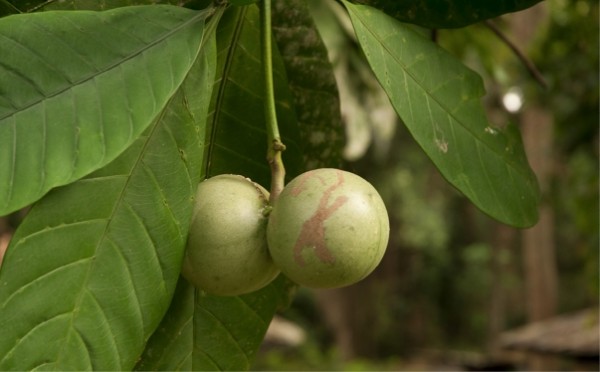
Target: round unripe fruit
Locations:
point(328, 228)
point(226, 251)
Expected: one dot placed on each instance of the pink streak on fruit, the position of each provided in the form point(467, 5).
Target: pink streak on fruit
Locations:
point(313, 230)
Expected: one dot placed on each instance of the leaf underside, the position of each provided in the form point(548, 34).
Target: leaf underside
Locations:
point(77, 88)
point(92, 269)
point(438, 99)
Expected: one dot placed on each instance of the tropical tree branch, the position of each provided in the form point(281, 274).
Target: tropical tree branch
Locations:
point(529, 65)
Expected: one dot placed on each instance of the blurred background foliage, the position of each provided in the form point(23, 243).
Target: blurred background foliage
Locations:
point(453, 279)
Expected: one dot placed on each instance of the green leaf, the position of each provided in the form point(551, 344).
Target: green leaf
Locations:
point(312, 83)
point(438, 99)
point(171, 347)
point(447, 13)
point(77, 88)
point(206, 333)
point(92, 269)
point(226, 332)
point(8, 7)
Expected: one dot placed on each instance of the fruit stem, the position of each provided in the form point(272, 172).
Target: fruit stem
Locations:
point(275, 146)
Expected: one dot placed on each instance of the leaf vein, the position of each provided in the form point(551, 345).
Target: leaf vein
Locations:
point(45, 275)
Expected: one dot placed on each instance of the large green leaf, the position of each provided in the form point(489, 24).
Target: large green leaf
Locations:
point(447, 13)
point(92, 269)
point(77, 88)
point(225, 332)
point(439, 100)
point(312, 83)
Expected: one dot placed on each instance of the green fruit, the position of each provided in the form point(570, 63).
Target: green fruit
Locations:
point(328, 228)
point(227, 251)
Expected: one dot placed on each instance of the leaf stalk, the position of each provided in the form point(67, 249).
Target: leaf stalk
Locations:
point(275, 146)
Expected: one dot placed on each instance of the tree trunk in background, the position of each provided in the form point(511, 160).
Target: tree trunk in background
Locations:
point(541, 276)
point(538, 241)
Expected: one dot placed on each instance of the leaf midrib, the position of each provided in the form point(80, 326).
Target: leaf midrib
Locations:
point(432, 97)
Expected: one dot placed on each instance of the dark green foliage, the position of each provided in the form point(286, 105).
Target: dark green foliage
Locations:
point(447, 13)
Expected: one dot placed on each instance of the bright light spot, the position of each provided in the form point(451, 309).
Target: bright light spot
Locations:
point(513, 100)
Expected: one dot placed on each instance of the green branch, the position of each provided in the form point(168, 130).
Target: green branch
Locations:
point(275, 146)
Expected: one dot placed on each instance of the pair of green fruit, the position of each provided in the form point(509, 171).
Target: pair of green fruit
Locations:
point(328, 228)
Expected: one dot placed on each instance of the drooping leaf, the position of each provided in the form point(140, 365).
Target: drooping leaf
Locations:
point(78, 87)
point(312, 82)
point(438, 99)
point(447, 13)
point(226, 332)
point(92, 269)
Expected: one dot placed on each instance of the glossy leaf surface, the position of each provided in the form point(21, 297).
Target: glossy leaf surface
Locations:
point(439, 100)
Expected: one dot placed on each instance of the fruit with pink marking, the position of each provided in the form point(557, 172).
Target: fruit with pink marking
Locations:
point(227, 252)
point(329, 228)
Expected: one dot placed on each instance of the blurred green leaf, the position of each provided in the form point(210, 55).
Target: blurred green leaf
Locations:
point(91, 270)
point(447, 13)
point(203, 332)
point(77, 88)
point(438, 99)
